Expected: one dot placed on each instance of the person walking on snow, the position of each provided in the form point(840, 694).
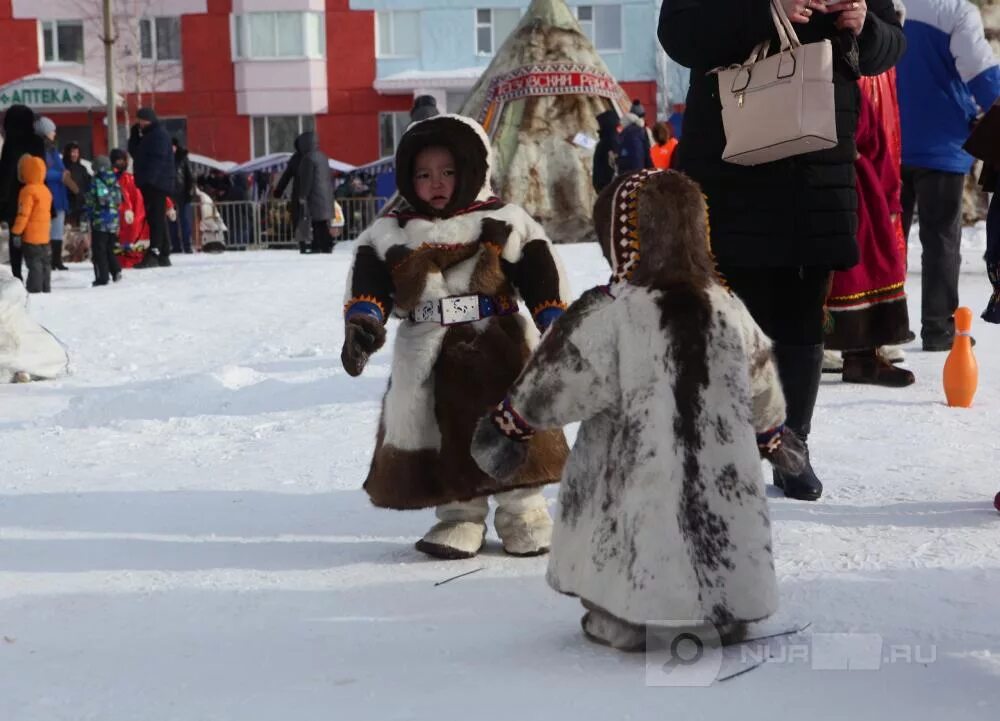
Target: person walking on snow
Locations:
point(31, 231)
point(662, 507)
point(780, 228)
point(184, 193)
point(635, 143)
point(153, 165)
point(312, 194)
point(947, 76)
point(60, 183)
point(101, 208)
point(19, 139)
point(453, 265)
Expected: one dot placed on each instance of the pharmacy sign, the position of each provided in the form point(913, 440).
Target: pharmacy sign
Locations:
point(41, 92)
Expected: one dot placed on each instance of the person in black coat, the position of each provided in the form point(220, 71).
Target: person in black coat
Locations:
point(184, 192)
point(153, 167)
point(19, 139)
point(312, 192)
point(607, 150)
point(778, 229)
point(81, 179)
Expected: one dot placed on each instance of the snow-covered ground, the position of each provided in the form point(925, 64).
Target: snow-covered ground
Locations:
point(183, 535)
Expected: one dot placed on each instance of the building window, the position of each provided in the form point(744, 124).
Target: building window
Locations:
point(397, 34)
point(160, 39)
point(603, 25)
point(391, 127)
point(277, 133)
point(279, 35)
point(63, 41)
point(493, 27)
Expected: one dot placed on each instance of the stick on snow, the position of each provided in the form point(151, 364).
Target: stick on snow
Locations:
point(467, 573)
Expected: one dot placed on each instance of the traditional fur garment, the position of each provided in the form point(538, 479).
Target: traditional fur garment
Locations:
point(662, 508)
point(445, 377)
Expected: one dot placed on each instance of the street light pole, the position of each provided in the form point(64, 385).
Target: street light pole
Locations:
point(109, 77)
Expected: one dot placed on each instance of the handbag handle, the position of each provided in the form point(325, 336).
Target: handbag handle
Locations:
point(787, 37)
point(784, 26)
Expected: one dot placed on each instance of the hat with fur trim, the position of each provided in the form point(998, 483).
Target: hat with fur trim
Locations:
point(653, 229)
point(465, 139)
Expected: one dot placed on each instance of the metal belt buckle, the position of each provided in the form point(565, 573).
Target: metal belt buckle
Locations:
point(427, 312)
point(459, 309)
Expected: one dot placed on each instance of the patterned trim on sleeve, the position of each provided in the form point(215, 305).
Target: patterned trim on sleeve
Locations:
point(364, 305)
point(545, 314)
point(770, 440)
point(510, 423)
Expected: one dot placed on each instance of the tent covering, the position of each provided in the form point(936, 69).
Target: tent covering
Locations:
point(542, 92)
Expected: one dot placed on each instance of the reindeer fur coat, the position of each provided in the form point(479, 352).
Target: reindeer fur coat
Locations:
point(662, 512)
point(445, 377)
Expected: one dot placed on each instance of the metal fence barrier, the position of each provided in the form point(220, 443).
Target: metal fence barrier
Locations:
point(255, 225)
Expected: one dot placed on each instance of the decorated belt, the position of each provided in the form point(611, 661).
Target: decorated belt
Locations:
point(458, 309)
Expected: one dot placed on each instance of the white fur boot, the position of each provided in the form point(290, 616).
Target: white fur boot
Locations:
point(459, 532)
point(892, 354)
point(523, 522)
point(833, 361)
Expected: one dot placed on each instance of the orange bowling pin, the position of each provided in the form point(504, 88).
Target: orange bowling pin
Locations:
point(961, 372)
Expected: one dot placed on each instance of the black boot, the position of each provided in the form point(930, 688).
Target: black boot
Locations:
point(57, 263)
point(799, 368)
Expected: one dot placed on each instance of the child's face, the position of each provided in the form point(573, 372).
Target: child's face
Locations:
point(434, 176)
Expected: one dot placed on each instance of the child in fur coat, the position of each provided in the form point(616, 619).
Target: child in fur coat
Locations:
point(454, 265)
point(662, 508)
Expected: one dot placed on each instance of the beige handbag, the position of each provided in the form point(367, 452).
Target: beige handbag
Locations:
point(781, 105)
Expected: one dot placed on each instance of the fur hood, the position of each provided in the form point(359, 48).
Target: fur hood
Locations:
point(471, 149)
point(660, 239)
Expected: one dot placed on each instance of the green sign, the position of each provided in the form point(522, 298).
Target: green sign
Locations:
point(42, 96)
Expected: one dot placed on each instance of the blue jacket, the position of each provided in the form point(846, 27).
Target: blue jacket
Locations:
point(634, 146)
point(54, 179)
point(947, 75)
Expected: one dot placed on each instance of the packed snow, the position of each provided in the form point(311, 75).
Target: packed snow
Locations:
point(183, 534)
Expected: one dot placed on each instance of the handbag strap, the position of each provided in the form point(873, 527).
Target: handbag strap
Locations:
point(787, 37)
point(786, 32)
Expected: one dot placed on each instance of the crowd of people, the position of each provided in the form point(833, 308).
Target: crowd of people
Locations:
point(703, 352)
point(816, 245)
point(106, 210)
point(157, 191)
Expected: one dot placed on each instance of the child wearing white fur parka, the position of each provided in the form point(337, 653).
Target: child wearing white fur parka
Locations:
point(662, 511)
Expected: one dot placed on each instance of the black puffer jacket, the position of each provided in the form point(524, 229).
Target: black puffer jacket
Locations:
point(19, 139)
point(800, 211)
point(152, 158)
point(607, 150)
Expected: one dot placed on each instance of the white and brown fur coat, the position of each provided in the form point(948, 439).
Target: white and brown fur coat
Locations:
point(662, 512)
point(445, 377)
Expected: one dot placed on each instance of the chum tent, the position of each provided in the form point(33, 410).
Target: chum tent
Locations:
point(538, 101)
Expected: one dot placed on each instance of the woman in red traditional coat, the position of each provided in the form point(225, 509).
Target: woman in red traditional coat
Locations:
point(867, 304)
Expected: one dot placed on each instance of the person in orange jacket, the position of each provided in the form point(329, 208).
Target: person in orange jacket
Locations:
point(664, 144)
point(33, 223)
